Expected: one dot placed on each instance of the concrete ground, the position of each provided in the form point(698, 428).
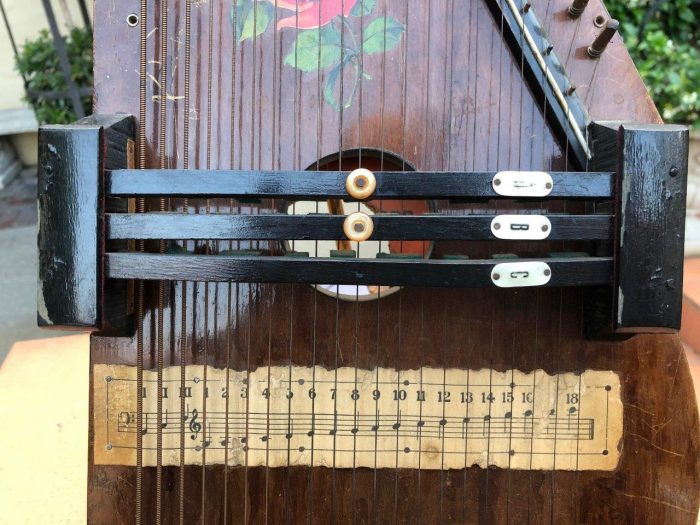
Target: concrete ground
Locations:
point(18, 283)
point(18, 264)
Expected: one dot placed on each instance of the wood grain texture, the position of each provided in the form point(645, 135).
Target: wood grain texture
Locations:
point(329, 184)
point(464, 108)
point(386, 227)
point(72, 161)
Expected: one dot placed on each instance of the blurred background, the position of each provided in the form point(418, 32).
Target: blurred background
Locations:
point(46, 77)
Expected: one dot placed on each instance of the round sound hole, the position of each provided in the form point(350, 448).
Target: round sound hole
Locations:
point(358, 225)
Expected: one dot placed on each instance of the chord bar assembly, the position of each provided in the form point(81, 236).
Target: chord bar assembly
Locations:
point(88, 234)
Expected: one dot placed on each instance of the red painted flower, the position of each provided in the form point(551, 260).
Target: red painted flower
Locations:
point(311, 14)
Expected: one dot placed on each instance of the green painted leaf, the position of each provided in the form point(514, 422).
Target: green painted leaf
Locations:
point(363, 7)
point(329, 86)
point(255, 20)
point(304, 54)
point(376, 40)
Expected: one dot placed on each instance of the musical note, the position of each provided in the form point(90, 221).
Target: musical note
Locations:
point(206, 442)
point(349, 427)
point(195, 426)
point(335, 423)
point(486, 423)
point(397, 425)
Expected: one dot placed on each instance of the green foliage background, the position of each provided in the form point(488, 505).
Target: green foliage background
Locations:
point(38, 61)
point(663, 37)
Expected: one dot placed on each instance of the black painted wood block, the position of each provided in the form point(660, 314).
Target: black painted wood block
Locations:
point(72, 293)
point(651, 162)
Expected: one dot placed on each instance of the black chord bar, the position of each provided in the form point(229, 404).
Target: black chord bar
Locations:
point(331, 184)
point(578, 271)
point(330, 227)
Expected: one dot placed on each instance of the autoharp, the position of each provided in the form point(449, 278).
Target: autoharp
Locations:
point(373, 261)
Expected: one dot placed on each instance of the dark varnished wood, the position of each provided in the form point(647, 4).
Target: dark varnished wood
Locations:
point(329, 184)
point(573, 271)
point(466, 109)
point(72, 160)
point(653, 170)
point(652, 165)
point(286, 227)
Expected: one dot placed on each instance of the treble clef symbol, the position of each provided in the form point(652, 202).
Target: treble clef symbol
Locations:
point(195, 426)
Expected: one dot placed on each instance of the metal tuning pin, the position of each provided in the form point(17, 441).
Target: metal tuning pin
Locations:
point(577, 7)
point(358, 227)
point(601, 42)
point(361, 184)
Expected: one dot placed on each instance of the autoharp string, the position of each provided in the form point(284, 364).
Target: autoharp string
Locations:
point(473, 11)
point(518, 296)
point(140, 208)
point(447, 136)
point(355, 341)
point(404, 151)
point(162, 162)
point(230, 342)
point(319, 149)
point(579, 354)
point(426, 67)
point(338, 342)
point(538, 294)
point(493, 294)
point(382, 91)
point(276, 131)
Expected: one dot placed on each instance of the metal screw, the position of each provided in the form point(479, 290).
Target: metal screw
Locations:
point(601, 42)
point(497, 182)
point(496, 276)
point(497, 226)
point(545, 228)
point(109, 446)
point(674, 171)
point(108, 378)
point(548, 185)
point(132, 20)
point(577, 8)
point(198, 448)
point(548, 273)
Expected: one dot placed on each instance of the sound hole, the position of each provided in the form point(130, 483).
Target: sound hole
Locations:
point(348, 161)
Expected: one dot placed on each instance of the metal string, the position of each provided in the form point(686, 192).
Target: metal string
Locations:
point(493, 293)
point(319, 138)
point(561, 300)
point(404, 102)
point(183, 335)
point(229, 327)
point(476, 26)
point(163, 100)
point(382, 91)
point(426, 155)
point(447, 135)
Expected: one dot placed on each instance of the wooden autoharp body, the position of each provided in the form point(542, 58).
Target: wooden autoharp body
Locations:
point(372, 261)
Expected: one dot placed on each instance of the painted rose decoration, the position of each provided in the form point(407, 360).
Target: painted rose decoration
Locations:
point(325, 38)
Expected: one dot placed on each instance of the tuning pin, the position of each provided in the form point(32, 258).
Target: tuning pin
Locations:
point(527, 7)
point(601, 42)
point(577, 7)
